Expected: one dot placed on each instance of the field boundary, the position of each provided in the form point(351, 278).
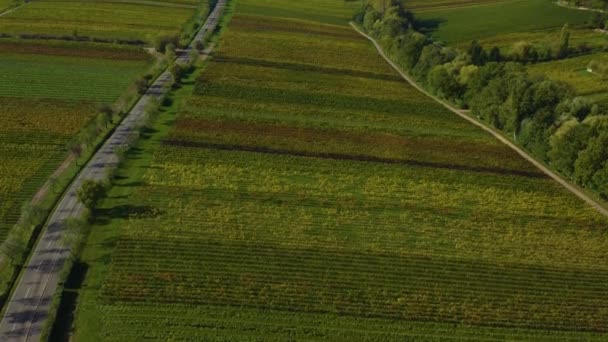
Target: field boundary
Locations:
point(29, 311)
point(570, 187)
point(12, 9)
point(579, 8)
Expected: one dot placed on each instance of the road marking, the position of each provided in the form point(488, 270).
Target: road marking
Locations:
point(48, 244)
point(13, 327)
point(28, 292)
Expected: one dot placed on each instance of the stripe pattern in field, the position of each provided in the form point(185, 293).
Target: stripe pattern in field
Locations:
point(113, 20)
point(304, 191)
point(45, 100)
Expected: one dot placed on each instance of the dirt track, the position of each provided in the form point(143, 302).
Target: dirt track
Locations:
point(572, 188)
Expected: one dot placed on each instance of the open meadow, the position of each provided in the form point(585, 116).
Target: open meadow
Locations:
point(298, 189)
point(454, 22)
point(6, 5)
point(48, 94)
point(574, 71)
point(114, 20)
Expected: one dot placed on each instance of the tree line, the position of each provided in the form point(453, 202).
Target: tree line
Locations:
point(544, 116)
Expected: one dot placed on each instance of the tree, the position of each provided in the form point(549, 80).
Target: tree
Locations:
point(107, 113)
point(370, 18)
point(91, 192)
point(524, 52)
point(76, 149)
point(564, 42)
point(565, 145)
point(394, 22)
point(163, 41)
point(591, 159)
point(178, 71)
point(410, 51)
point(443, 83)
point(199, 46)
point(477, 53)
point(430, 57)
point(494, 55)
point(142, 86)
point(600, 181)
point(14, 246)
point(597, 21)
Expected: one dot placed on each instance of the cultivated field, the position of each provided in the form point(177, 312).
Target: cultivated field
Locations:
point(298, 189)
point(574, 72)
point(48, 94)
point(463, 21)
point(6, 4)
point(124, 20)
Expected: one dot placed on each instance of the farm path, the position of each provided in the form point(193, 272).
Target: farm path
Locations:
point(12, 9)
point(575, 190)
point(30, 304)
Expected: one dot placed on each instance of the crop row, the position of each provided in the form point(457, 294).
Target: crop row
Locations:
point(240, 323)
point(356, 284)
point(67, 78)
point(99, 19)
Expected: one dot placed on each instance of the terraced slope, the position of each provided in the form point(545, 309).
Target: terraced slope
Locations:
point(299, 189)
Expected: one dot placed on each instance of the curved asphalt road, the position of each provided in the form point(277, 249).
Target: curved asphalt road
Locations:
point(28, 308)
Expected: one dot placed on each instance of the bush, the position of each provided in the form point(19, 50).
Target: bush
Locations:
point(91, 192)
point(164, 41)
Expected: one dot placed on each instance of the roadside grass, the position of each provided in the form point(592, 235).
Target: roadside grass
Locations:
point(297, 190)
point(128, 21)
point(127, 180)
point(466, 23)
point(45, 101)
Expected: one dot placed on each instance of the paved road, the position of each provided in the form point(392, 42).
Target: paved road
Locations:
point(28, 308)
point(496, 134)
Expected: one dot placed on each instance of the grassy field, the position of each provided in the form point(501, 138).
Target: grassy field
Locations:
point(48, 93)
point(6, 4)
point(298, 189)
point(127, 20)
point(463, 21)
point(574, 72)
point(549, 38)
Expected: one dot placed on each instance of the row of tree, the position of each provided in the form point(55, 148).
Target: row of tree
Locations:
point(543, 115)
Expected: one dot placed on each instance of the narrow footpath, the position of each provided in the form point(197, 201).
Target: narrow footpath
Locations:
point(28, 309)
point(572, 188)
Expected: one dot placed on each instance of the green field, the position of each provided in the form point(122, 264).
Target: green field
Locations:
point(49, 93)
point(297, 189)
point(6, 4)
point(574, 72)
point(473, 20)
point(132, 20)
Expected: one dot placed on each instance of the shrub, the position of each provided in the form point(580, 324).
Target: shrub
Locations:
point(91, 192)
point(165, 41)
